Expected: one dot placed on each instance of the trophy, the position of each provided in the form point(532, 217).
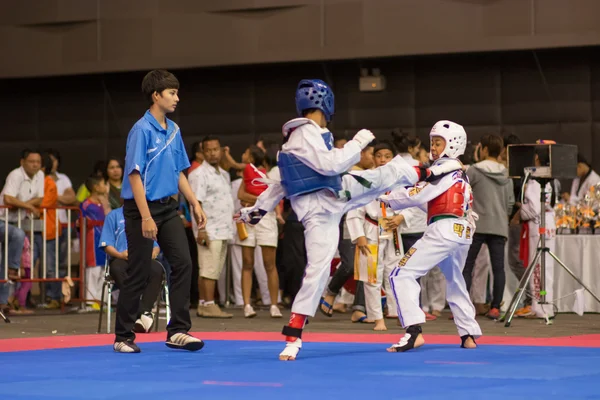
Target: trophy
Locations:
point(563, 224)
point(595, 194)
point(586, 215)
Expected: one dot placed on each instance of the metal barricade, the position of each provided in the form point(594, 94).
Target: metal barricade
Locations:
point(21, 219)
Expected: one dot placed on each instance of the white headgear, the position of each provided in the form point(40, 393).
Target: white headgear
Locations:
point(454, 135)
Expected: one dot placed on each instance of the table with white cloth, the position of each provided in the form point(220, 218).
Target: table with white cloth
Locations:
point(581, 254)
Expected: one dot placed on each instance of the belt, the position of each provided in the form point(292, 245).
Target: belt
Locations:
point(371, 220)
point(164, 200)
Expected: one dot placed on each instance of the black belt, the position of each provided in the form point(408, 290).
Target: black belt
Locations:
point(164, 200)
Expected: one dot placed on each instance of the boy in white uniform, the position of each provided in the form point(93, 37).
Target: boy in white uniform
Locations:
point(314, 178)
point(445, 243)
point(364, 228)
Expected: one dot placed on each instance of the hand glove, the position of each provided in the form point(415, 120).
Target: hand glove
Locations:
point(438, 170)
point(250, 216)
point(363, 138)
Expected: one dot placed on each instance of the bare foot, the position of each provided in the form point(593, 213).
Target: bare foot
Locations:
point(470, 344)
point(379, 325)
point(340, 308)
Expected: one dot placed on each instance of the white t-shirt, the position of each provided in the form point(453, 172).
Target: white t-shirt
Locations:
point(18, 184)
point(63, 183)
point(212, 188)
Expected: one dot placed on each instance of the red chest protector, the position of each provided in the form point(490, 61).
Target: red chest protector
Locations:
point(449, 203)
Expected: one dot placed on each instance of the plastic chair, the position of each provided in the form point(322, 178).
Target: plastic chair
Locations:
point(107, 288)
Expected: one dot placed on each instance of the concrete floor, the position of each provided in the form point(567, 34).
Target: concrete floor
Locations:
point(49, 324)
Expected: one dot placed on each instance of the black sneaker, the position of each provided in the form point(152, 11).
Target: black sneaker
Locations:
point(126, 347)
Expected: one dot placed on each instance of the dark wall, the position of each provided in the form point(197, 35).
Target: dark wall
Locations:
point(65, 37)
point(89, 117)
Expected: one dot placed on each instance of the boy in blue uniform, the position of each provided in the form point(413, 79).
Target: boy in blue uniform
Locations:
point(314, 178)
point(154, 163)
point(114, 242)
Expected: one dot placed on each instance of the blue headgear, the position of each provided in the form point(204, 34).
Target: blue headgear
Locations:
point(314, 93)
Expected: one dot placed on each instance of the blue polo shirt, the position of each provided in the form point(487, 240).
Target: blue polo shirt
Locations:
point(158, 155)
point(113, 231)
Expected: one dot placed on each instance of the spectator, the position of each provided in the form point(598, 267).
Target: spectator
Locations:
point(263, 234)
point(196, 157)
point(346, 249)
point(23, 189)
point(212, 188)
point(99, 170)
point(94, 211)
point(49, 203)
point(114, 173)
point(412, 225)
point(586, 178)
point(493, 199)
point(66, 197)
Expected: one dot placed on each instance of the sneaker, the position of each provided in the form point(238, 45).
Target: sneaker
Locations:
point(494, 313)
point(183, 341)
point(200, 311)
point(144, 323)
point(249, 311)
point(430, 317)
point(275, 312)
point(54, 305)
point(213, 311)
point(127, 346)
point(524, 312)
point(481, 309)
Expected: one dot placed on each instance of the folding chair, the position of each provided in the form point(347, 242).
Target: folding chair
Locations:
point(107, 288)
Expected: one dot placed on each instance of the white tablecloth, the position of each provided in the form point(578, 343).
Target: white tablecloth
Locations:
point(581, 254)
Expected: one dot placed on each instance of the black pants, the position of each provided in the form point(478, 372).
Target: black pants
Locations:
point(294, 261)
point(194, 293)
point(346, 271)
point(495, 245)
point(173, 242)
point(118, 271)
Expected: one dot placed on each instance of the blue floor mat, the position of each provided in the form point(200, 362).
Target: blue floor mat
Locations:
point(247, 370)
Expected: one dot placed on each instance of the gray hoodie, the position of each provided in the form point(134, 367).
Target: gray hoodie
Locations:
point(493, 196)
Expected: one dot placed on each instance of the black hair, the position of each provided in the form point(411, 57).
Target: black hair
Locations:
point(196, 148)
point(56, 154)
point(403, 141)
point(47, 163)
point(26, 152)
point(385, 145)
point(157, 81)
point(92, 180)
point(210, 138)
point(257, 154)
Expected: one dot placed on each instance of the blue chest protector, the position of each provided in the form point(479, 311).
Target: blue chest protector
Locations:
point(297, 178)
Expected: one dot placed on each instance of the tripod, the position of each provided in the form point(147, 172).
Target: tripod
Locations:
point(4, 317)
point(540, 254)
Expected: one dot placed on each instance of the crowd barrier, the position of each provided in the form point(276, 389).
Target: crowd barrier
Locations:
point(34, 225)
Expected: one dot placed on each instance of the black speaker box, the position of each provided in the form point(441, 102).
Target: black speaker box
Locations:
point(558, 161)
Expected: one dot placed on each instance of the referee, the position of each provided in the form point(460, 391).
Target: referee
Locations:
point(154, 161)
